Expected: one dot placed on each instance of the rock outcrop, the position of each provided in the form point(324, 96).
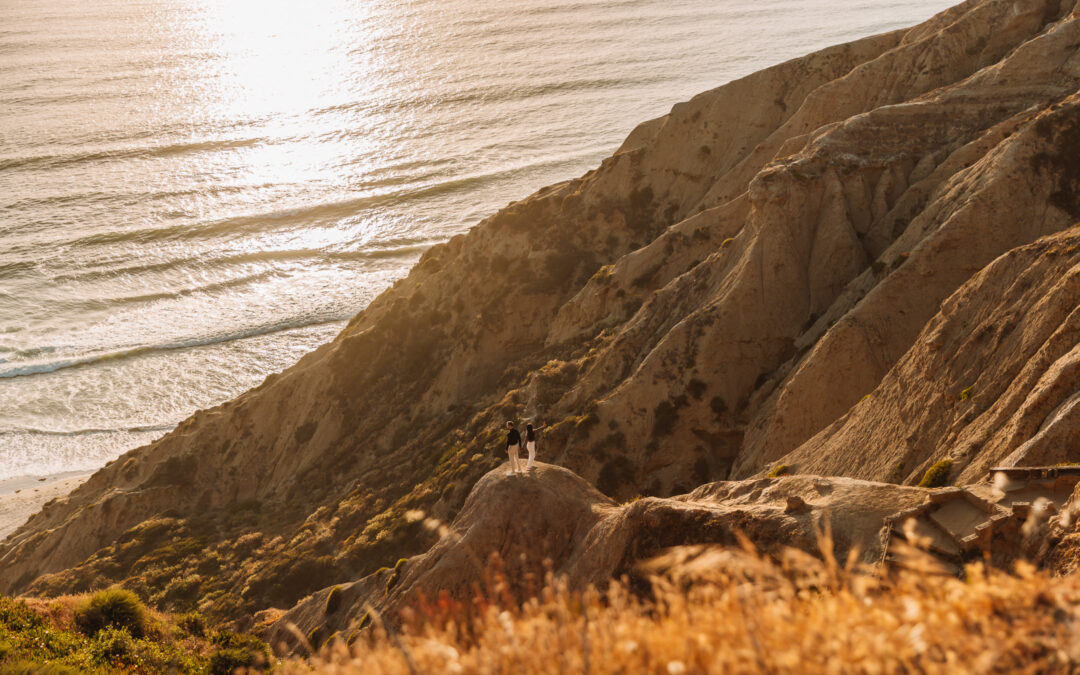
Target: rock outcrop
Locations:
point(514, 530)
point(856, 263)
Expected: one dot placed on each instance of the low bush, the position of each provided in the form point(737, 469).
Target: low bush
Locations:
point(192, 623)
point(937, 475)
point(236, 650)
point(113, 646)
point(228, 661)
point(779, 470)
point(38, 639)
point(114, 607)
point(30, 668)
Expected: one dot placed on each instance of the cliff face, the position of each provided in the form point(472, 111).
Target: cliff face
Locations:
point(719, 294)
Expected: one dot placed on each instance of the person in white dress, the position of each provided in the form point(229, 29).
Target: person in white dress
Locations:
point(530, 444)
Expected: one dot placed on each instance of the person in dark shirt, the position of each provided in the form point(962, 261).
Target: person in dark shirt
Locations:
point(530, 444)
point(513, 445)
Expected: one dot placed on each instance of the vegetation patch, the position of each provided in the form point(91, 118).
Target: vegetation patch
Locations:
point(237, 650)
point(719, 407)
point(174, 471)
point(616, 472)
point(114, 607)
point(937, 475)
point(304, 432)
point(192, 623)
point(789, 622)
point(897, 472)
point(780, 470)
point(48, 639)
point(666, 415)
point(613, 443)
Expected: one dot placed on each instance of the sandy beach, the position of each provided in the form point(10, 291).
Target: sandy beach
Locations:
point(20, 498)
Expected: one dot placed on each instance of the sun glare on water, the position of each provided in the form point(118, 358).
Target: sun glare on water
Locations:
point(287, 74)
point(278, 65)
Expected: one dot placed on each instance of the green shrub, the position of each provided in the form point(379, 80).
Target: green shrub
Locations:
point(17, 616)
point(112, 607)
point(779, 470)
point(29, 668)
point(183, 590)
point(965, 394)
point(113, 646)
point(192, 623)
point(235, 650)
point(937, 475)
point(227, 661)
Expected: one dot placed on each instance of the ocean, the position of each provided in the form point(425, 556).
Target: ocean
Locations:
point(195, 193)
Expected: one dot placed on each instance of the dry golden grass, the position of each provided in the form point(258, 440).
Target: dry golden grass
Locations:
point(723, 611)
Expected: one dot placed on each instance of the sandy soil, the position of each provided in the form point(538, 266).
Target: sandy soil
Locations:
point(20, 498)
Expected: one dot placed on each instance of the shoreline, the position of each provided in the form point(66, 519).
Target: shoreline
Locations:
point(24, 496)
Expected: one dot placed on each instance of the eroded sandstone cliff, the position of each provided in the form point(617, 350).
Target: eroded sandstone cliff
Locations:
point(757, 276)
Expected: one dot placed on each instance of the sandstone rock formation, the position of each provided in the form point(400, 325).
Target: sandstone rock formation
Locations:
point(768, 273)
point(552, 521)
point(991, 379)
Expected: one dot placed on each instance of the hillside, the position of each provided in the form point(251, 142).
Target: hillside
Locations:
point(858, 263)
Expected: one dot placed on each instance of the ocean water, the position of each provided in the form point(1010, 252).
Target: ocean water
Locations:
point(194, 193)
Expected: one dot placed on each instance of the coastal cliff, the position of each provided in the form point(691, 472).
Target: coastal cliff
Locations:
point(857, 263)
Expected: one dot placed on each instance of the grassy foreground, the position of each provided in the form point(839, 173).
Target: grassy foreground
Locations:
point(112, 631)
point(797, 615)
point(709, 610)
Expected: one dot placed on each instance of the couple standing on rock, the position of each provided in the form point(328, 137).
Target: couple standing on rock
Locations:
point(513, 445)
